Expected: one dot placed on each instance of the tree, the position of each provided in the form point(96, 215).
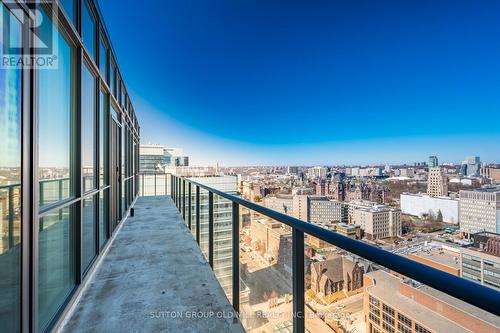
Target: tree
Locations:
point(439, 217)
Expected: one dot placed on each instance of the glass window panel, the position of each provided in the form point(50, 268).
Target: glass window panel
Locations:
point(266, 274)
point(103, 138)
point(10, 179)
point(103, 217)
point(88, 231)
point(103, 57)
point(223, 228)
point(69, 8)
point(88, 129)
point(55, 125)
point(112, 78)
point(56, 266)
point(88, 29)
point(204, 222)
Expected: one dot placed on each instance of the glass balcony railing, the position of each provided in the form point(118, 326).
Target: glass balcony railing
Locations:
point(282, 274)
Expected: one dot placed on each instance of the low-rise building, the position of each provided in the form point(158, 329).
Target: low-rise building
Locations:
point(393, 304)
point(481, 262)
point(421, 204)
point(441, 257)
point(282, 203)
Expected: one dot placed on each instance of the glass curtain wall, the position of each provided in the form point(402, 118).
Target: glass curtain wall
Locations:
point(66, 151)
point(10, 184)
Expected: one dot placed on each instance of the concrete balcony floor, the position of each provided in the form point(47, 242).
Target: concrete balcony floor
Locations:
point(153, 279)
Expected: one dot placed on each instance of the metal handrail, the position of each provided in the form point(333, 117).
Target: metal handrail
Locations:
point(473, 293)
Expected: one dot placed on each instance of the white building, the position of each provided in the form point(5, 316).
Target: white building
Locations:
point(322, 210)
point(317, 172)
point(282, 203)
point(420, 204)
point(480, 211)
point(377, 221)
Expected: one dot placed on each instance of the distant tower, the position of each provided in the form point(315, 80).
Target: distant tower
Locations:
point(433, 161)
point(437, 182)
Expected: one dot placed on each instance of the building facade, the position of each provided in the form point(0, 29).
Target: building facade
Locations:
point(480, 211)
point(282, 203)
point(420, 204)
point(376, 221)
point(481, 262)
point(321, 210)
point(437, 183)
point(155, 158)
point(69, 158)
point(411, 307)
point(433, 162)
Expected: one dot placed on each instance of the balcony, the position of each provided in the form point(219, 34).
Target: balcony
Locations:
point(173, 266)
point(152, 279)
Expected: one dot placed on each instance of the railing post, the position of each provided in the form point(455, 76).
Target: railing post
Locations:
point(165, 178)
point(171, 186)
point(211, 229)
point(189, 204)
point(198, 215)
point(179, 183)
point(11, 215)
point(236, 257)
point(298, 280)
point(155, 184)
point(142, 184)
point(40, 194)
point(183, 183)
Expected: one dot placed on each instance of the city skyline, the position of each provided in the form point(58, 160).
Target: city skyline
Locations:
point(295, 88)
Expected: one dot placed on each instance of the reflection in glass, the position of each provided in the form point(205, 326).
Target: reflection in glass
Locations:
point(103, 138)
point(10, 189)
point(103, 217)
point(88, 129)
point(55, 125)
point(88, 231)
point(88, 29)
point(102, 58)
point(112, 78)
point(223, 264)
point(204, 222)
point(265, 274)
point(69, 8)
point(55, 262)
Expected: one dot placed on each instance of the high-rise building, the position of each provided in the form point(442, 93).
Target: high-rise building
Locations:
point(471, 166)
point(433, 161)
point(152, 158)
point(222, 225)
point(377, 221)
point(292, 170)
point(480, 210)
point(437, 182)
point(69, 147)
point(157, 158)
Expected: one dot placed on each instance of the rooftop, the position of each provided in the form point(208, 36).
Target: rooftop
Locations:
point(385, 281)
point(152, 279)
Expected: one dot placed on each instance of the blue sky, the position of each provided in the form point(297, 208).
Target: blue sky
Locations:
point(256, 82)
